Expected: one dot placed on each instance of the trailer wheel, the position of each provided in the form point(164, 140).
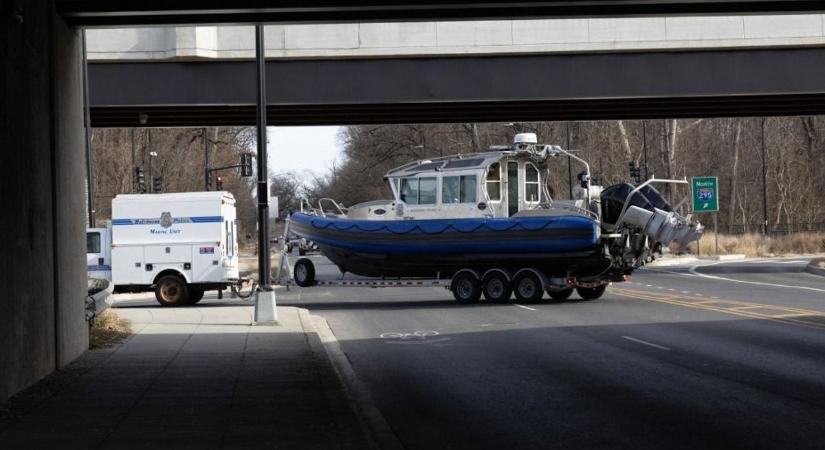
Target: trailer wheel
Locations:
point(466, 288)
point(171, 290)
point(496, 287)
point(560, 295)
point(527, 287)
point(591, 293)
point(304, 272)
point(195, 294)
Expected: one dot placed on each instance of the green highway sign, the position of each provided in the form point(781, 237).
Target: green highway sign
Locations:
point(705, 194)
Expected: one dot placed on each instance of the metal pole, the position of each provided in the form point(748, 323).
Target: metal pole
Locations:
point(151, 175)
point(265, 307)
point(206, 161)
point(569, 165)
point(134, 177)
point(716, 231)
point(87, 123)
point(148, 152)
point(644, 146)
point(764, 183)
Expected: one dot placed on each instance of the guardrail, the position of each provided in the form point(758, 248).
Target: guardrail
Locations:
point(99, 297)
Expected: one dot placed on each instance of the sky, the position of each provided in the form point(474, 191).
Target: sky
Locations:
point(302, 149)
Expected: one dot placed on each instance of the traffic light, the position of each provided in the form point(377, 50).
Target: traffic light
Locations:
point(157, 184)
point(219, 183)
point(635, 172)
point(141, 180)
point(246, 165)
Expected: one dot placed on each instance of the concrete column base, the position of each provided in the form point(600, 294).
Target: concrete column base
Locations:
point(266, 312)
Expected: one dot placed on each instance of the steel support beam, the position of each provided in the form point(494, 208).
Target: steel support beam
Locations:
point(159, 12)
point(640, 85)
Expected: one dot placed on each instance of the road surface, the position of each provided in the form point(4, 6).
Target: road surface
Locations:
point(729, 355)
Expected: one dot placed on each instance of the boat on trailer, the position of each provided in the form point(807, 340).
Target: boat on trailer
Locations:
point(485, 223)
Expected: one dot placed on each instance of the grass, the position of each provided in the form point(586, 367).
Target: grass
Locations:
point(754, 244)
point(108, 329)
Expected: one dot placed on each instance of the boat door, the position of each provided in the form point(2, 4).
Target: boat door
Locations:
point(512, 188)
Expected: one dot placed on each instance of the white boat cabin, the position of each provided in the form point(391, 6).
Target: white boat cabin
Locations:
point(498, 183)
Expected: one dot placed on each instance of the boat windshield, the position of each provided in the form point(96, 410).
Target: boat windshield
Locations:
point(419, 191)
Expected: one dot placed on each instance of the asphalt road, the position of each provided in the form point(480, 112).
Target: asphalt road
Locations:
point(719, 356)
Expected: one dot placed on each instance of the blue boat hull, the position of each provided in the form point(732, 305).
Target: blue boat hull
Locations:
point(562, 245)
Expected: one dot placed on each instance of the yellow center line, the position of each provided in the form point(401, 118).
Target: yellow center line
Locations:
point(746, 309)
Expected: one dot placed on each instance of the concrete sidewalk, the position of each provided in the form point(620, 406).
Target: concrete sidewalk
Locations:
point(196, 377)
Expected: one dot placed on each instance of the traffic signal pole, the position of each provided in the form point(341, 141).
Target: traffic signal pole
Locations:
point(265, 307)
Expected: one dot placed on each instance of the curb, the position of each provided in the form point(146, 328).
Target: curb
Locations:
point(373, 424)
point(672, 261)
point(814, 268)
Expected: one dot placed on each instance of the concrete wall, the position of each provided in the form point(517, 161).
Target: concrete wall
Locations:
point(41, 174)
point(458, 38)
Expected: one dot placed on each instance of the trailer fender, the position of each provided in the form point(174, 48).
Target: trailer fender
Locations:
point(471, 271)
point(545, 283)
point(507, 274)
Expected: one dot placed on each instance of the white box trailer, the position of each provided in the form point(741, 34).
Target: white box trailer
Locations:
point(179, 245)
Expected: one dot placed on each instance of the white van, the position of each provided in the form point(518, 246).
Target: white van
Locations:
point(179, 245)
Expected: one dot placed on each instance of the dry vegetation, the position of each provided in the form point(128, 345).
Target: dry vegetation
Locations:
point(753, 244)
point(108, 329)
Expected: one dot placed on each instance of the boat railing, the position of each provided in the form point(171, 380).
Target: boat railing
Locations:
point(307, 208)
point(329, 200)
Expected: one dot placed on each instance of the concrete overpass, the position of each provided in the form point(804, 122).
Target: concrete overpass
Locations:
point(550, 69)
point(43, 327)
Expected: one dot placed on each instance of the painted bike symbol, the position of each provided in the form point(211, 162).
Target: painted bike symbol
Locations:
point(419, 335)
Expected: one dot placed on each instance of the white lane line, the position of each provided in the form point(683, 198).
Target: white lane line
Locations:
point(673, 272)
point(671, 289)
point(685, 292)
point(525, 307)
point(758, 283)
point(651, 344)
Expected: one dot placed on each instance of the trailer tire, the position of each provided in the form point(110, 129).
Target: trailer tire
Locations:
point(466, 288)
point(496, 287)
point(171, 290)
point(195, 294)
point(560, 296)
point(304, 272)
point(527, 286)
point(591, 293)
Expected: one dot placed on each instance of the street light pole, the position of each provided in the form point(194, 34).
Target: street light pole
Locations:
point(151, 173)
point(206, 161)
point(265, 307)
point(569, 165)
point(644, 145)
point(764, 182)
point(87, 122)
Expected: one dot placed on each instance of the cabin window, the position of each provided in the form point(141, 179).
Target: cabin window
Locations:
point(494, 182)
point(531, 183)
point(92, 242)
point(458, 189)
point(419, 191)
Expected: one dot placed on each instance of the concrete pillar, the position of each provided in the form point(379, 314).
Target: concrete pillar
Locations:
point(42, 172)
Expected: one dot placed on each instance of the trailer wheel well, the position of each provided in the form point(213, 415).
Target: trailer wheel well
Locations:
point(163, 273)
point(538, 273)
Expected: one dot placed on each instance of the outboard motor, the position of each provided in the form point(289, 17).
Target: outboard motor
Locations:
point(648, 211)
